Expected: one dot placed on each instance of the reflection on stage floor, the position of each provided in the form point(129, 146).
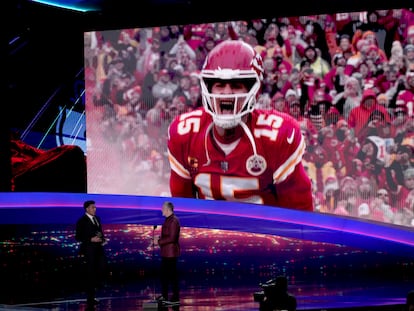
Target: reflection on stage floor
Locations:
point(233, 297)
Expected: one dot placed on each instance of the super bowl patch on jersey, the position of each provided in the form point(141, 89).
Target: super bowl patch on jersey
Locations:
point(256, 165)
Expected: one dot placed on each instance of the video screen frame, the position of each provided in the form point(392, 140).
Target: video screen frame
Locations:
point(352, 175)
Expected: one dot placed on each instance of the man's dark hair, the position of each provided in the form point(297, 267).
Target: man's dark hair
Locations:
point(87, 203)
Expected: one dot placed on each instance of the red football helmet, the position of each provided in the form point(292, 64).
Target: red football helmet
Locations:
point(231, 60)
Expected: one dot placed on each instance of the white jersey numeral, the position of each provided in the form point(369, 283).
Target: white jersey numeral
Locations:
point(189, 122)
point(229, 187)
point(268, 120)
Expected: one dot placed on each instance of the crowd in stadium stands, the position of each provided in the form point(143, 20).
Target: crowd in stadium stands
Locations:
point(347, 78)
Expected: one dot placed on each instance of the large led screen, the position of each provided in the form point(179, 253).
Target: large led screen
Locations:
point(347, 79)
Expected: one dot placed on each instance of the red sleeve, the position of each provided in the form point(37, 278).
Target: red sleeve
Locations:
point(351, 119)
point(329, 78)
point(288, 48)
point(293, 188)
point(181, 187)
point(181, 184)
point(300, 49)
point(296, 191)
point(187, 33)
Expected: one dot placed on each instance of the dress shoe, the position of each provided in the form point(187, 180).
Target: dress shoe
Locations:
point(174, 301)
point(93, 302)
point(174, 298)
point(160, 298)
point(171, 302)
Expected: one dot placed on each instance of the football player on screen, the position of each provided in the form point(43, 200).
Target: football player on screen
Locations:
point(227, 150)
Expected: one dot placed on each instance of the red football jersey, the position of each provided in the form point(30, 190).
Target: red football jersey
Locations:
point(273, 175)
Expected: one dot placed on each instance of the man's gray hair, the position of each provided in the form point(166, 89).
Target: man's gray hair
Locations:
point(169, 204)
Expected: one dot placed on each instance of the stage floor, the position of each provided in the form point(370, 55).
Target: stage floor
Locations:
point(130, 297)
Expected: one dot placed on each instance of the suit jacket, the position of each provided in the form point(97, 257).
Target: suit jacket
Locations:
point(85, 230)
point(170, 234)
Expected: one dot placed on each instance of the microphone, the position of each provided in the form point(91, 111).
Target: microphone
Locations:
point(154, 227)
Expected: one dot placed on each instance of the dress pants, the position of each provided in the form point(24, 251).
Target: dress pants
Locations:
point(169, 276)
point(95, 262)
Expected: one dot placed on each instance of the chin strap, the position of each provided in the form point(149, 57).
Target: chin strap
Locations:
point(210, 127)
point(250, 137)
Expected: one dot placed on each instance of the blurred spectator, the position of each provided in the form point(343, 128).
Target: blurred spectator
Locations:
point(184, 86)
point(274, 41)
point(194, 34)
point(349, 98)
point(150, 57)
point(360, 55)
point(269, 83)
point(294, 83)
point(373, 157)
point(365, 190)
point(377, 125)
point(221, 31)
point(164, 88)
point(315, 36)
point(364, 211)
point(156, 119)
point(410, 34)
point(397, 57)
point(402, 161)
point(167, 40)
point(359, 116)
point(330, 192)
point(384, 101)
point(376, 28)
point(387, 78)
point(335, 78)
point(183, 52)
point(319, 65)
point(318, 108)
point(409, 55)
point(257, 28)
point(264, 102)
point(195, 97)
point(278, 102)
point(406, 96)
point(401, 194)
point(203, 49)
point(345, 46)
point(148, 99)
point(405, 133)
point(350, 26)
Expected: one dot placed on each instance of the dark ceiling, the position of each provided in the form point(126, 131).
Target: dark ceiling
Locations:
point(44, 44)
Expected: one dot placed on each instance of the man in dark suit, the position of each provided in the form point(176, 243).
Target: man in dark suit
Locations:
point(170, 251)
point(91, 237)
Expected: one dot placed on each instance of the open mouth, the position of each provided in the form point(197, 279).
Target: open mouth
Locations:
point(227, 107)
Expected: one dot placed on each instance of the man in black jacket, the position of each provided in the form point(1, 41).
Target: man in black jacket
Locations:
point(91, 237)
